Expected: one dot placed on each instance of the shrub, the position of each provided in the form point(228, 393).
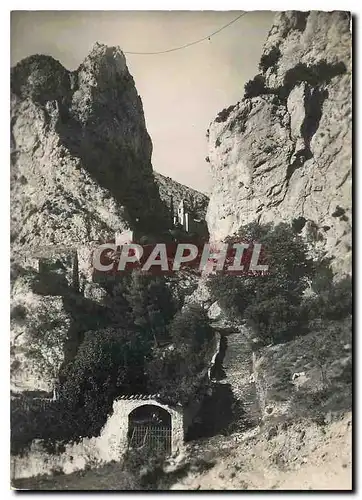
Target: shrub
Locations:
point(108, 363)
point(224, 114)
point(177, 373)
point(18, 312)
point(325, 356)
point(53, 423)
point(333, 301)
point(255, 87)
point(269, 59)
point(191, 327)
point(276, 319)
point(339, 212)
point(145, 467)
point(40, 77)
point(141, 300)
point(275, 305)
point(298, 224)
point(16, 271)
point(316, 74)
point(23, 180)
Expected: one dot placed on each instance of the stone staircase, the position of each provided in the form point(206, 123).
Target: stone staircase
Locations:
point(237, 365)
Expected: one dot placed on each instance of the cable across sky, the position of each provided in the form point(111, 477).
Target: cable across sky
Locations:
point(191, 43)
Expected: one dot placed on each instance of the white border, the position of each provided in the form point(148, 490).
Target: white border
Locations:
point(184, 5)
point(4, 184)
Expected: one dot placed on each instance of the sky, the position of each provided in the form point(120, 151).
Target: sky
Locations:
point(181, 91)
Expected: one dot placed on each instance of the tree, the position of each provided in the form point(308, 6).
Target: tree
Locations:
point(142, 300)
point(270, 303)
point(115, 302)
point(191, 328)
point(108, 363)
point(178, 372)
point(151, 305)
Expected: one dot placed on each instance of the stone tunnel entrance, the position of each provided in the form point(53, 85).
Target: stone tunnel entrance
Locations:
point(150, 428)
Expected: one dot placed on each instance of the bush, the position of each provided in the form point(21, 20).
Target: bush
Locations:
point(315, 74)
point(269, 59)
point(178, 372)
point(224, 114)
point(152, 305)
point(41, 78)
point(108, 363)
point(325, 355)
point(191, 327)
point(18, 312)
point(298, 224)
point(142, 300)
point(276, 319)
point(275, 305)
point(332, 302)
point(145, 467)
point(255, 87)
point(53, 423)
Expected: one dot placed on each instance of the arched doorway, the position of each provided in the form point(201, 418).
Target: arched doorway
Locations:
point(150, 428)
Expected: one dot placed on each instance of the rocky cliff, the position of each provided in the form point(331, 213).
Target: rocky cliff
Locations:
point(81, 154)
point(80, 172)
point(283, 153)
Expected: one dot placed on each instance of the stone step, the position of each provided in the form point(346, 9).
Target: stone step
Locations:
point(237, 365)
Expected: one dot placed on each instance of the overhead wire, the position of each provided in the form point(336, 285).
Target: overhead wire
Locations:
point(181, 47)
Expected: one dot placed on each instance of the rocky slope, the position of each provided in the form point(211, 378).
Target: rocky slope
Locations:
point(195, 201)
point(295, 456)
point(284, 151)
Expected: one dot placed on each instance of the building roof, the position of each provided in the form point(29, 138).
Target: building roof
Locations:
point(138, 397)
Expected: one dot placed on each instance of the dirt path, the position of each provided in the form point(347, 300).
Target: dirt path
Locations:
point(302, 457)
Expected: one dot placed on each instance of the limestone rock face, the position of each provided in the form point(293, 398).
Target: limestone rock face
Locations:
point(81, 154)
point(284, 151)
point(80, 172)
point(39, 331)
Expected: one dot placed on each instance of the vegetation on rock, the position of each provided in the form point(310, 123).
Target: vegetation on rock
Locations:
point(275, 305)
